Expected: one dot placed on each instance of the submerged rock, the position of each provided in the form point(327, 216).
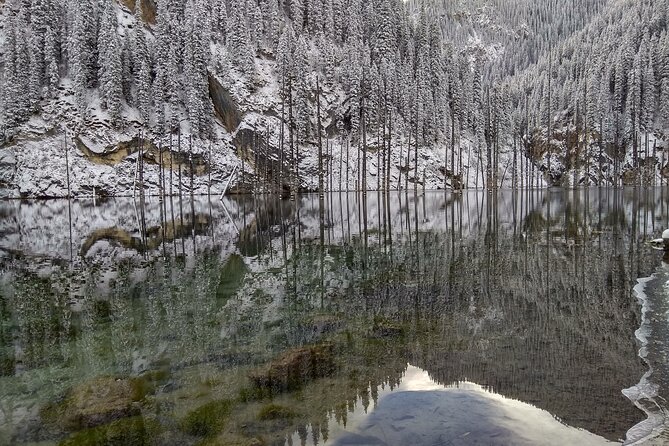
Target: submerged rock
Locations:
point(97, 402)
point(275, 412)
point(295, 367)
point(207, 420)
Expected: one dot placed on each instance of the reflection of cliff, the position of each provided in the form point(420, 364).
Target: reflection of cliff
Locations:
point(63, 231)
point(153, 237)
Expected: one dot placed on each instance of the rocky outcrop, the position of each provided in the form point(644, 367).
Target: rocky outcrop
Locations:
point(7, 171)
point(257, 151)
point(115, 154)
point(225, 106)
point(149, 10)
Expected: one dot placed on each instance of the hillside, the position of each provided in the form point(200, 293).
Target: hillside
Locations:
point(603, 89)
point(417, 94)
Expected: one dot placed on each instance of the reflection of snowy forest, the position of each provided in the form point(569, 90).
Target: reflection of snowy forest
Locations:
point(526, 294)
point(476, 93)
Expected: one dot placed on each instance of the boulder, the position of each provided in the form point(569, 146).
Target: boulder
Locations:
point(96, 402)
point(295, 367)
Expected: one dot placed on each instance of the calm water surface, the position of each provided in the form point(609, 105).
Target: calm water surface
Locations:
point(532, 318)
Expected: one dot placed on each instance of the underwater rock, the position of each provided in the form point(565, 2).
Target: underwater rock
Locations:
point(275, 412)
point(97, 402)
point(208, 419)
point(294, 367)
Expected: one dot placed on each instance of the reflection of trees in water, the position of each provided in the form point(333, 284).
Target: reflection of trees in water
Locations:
point(546, 318)
point(528, 294)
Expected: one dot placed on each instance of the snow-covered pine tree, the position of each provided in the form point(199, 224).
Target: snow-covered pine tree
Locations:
point(254, 24)
point(354, 30)
point(220, 20)
point(239, 38)
point(339, 20)
point(110, 67)
point(328, 20)
point(271, 22)
point(22, 79)
point(302, 89)
point(10, 106)
point(162, 49)
point(314, 15)
point(648, 98)
point(296, 8)
point(51, 61)
point(197, 50)
point(385, 38)
point(80, 51)
point(142, 68)
point(36, 67)
point(174, 87)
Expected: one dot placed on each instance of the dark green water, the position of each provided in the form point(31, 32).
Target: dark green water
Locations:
point(431, 319)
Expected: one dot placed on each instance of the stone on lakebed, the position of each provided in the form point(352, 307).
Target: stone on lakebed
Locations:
point(96, 402)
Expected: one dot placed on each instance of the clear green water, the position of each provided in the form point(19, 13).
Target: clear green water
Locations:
point(400, 319)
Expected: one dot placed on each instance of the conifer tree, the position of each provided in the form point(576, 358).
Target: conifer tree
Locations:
point(110, 71)
point(239, 38)
point(142, 68)
point(51, 61)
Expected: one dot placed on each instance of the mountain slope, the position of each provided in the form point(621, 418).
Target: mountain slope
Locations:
point(417, 94)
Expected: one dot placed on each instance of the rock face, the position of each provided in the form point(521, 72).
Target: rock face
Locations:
point(7, 172)
point(224, 105)
point(168, 159)
point(42, 167)
point(148, 9)
point(257, 151)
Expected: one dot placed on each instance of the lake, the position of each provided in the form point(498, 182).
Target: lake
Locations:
point(533, 317)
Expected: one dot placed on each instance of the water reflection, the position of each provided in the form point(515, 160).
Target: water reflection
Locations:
point(421, 411)
point(528, 295)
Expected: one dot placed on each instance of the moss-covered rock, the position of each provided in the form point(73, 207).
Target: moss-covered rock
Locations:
point(293, 368)
point(135, 431)
point(97, 402)
point(275, 412)
point(207, 420)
